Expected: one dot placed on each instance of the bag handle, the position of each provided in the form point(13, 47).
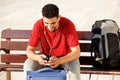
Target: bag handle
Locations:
point(46, 69)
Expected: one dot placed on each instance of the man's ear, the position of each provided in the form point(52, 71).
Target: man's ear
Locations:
point(59, 17)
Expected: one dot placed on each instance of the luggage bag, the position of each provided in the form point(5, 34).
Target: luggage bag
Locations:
point(46, 73)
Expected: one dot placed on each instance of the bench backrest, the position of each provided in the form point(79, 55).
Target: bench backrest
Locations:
point(16, 40)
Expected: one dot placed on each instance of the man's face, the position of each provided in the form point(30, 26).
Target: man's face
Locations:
point(51, 23)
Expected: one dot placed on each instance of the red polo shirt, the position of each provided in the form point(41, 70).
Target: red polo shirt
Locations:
point(55, 43)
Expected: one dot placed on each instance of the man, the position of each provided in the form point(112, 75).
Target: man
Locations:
point(59, 43)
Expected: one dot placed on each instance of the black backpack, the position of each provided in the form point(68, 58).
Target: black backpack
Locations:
point(105, 51)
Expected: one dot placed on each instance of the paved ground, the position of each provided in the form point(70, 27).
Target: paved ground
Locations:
point(22, 14)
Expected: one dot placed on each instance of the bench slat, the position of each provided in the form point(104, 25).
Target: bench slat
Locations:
point(25, 34)
point(87, 70)
point(10, 67)
point(21, 46)
point(84, 35)
point(20, 58)
point(85, 47)
point(84, 70)
point(85, 60)
point(13, 58)
point(16, 34)
point(15, 45)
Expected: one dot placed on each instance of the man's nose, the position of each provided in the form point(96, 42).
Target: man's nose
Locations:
point(49, 25)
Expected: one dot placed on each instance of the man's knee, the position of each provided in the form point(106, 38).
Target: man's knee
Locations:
point(30, 65)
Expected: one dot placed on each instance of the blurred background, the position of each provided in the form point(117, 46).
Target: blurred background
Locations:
point(22, 14)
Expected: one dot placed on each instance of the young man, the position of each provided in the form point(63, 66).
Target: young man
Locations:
point(59, 43)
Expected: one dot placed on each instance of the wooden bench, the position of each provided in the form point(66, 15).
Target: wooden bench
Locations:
point(14, 42)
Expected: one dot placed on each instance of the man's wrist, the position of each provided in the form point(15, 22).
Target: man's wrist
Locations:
point(60, 61)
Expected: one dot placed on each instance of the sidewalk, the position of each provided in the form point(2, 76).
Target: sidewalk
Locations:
point(20, 76)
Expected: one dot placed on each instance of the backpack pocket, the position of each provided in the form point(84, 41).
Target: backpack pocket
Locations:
point(113, 44)
point(113, 48)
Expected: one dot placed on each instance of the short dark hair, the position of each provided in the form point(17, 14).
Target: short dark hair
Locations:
point(50, 11)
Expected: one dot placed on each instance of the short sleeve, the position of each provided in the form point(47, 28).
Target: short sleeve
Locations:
point(35, 36)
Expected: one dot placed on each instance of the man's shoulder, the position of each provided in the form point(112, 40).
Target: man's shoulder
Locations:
point(39, 21)
point(39, 25)
point(65, 20)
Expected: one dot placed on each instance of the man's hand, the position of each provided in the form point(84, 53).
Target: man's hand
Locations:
point(43, 60)
point(54, 62)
